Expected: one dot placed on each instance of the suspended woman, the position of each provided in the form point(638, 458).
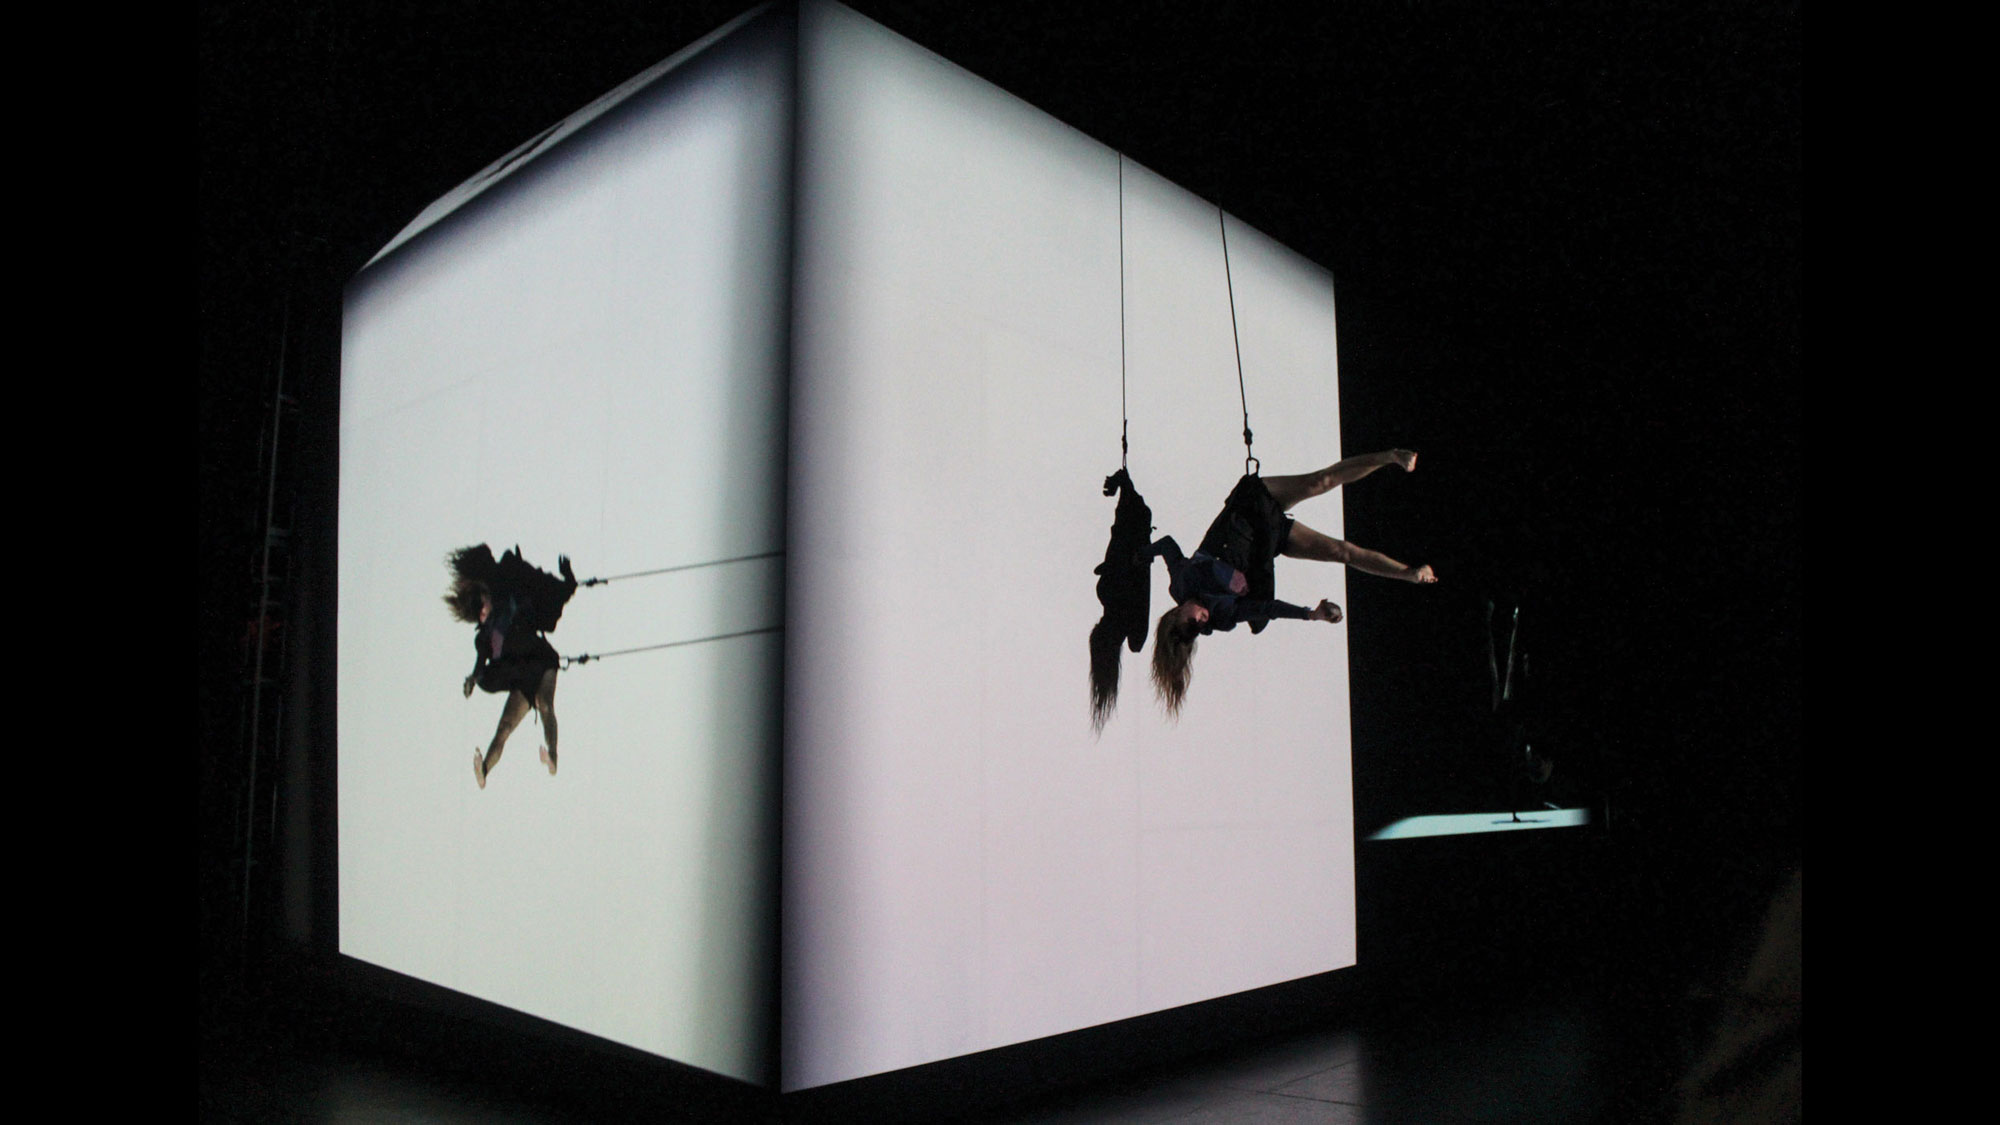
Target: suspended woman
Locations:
point(513, 603)
point(1232, 576)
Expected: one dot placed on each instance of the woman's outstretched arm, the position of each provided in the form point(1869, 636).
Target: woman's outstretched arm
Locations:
point(1324, 611)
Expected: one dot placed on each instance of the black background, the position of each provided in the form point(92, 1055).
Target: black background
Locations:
point(1566, 245)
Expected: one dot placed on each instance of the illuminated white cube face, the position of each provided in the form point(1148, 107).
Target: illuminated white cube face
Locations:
point(584, 358)
point(812, 289)
point(966, 865)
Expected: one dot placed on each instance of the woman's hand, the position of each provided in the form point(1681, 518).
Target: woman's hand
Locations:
point(1422, 574)
point(1404, 457)
point(1325, 611)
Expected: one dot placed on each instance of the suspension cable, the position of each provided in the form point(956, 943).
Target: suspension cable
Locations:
point(587, 657)
point(684, 566)
point(1125, 416)
point(1248, 458)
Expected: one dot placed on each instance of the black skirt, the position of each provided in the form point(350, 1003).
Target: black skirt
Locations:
point(521, 666)
point(1250, 534)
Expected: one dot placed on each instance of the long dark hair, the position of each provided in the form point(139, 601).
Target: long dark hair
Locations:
point(470, 567)
point(1106, 638)
point(1173, 661)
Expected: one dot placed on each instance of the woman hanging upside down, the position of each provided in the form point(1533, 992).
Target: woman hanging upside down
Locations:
point(513, 603)
point(1232, 576)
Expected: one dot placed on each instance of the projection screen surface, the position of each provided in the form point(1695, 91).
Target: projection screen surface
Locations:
point(966, 865)
point(581, 359)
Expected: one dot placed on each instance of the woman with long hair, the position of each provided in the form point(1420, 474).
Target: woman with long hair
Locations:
point(513, 604)
point(1232, 576)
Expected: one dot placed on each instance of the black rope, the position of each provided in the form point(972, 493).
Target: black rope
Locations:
point(1248, 458)
point(671, 569)
point(1125, 428)
point(587, 657)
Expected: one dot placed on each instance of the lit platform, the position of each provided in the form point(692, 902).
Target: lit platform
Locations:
point(1458, 824)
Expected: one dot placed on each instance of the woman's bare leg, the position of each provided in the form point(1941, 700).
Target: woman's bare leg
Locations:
point(1288, 491)
point(1305, 543)
point(545, 706)
point(510, 717)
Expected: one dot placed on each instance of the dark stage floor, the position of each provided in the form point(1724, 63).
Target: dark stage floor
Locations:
point(1580, 1050)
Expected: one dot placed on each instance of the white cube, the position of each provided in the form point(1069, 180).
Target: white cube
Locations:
point(807, 288)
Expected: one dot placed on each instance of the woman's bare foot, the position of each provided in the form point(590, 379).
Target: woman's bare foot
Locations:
point(1423, 574)
point(549, 760)
point(479, 768)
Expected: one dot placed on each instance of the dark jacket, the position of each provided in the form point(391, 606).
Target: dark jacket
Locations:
point(527, 602)
point(1207, 579)
point(1247, 536)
